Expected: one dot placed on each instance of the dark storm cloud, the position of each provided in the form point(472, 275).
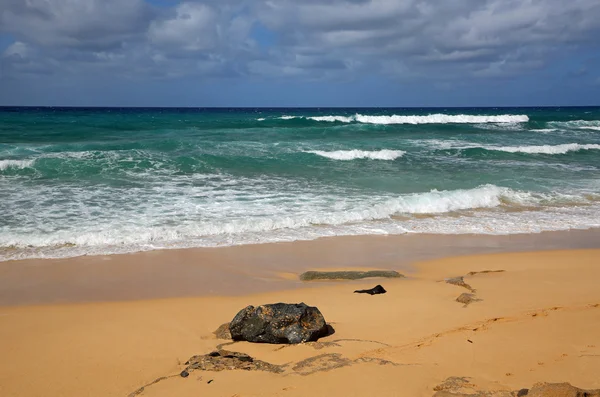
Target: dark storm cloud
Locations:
point(476, 34)
point(89, 24)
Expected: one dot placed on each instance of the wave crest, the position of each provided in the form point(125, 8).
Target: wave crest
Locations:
point(416, 119)
point(577, 124)
point(359, 154)
point(541, 149)
point(546, 149)
point(19, 164)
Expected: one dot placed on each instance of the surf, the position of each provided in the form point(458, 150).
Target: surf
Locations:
point(346, 155)
point(414, 119)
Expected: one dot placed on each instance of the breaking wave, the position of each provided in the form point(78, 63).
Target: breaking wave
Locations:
point(359, 154)
point(416, 119)
point(546, 149)
point(541, 149)
point(19, 164)
point(577, 124)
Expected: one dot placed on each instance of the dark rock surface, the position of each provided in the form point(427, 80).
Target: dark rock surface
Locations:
point(223, 332)
point(222, 360)
point(279, 323)
point(378, 289)
point(348, 275)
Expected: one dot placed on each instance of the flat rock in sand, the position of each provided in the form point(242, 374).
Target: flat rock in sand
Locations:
point(459, 282)
point(463, 387)
point(222, 360)
point(466, 298)
point(560, 390)
point(223, 332)
point(348, 275)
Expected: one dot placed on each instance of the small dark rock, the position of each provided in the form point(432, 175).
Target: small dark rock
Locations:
point(522, 392)
point(184, 374)
point(210, 381)
point(278, 323)
point(348, 275)
point(373, 291)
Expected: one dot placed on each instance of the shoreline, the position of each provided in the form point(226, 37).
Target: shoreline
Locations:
point(535, 322)
point(248, 269)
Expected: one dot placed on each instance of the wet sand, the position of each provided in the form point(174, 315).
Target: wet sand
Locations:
point(247, 269)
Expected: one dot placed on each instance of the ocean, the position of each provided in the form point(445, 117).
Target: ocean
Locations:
point(85, 181)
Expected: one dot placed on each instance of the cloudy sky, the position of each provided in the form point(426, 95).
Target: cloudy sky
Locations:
point(299, 52)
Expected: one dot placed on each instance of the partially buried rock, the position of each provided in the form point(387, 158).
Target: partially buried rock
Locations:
point(378, 289)
point(560, 390)
point(348, 275)
point(222, 360)
point(466, 299)
point(462, 387)
point(279, 323)
point(460, 282)
point(223, 332)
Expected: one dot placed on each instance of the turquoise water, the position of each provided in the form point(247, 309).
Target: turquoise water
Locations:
point(92, 181)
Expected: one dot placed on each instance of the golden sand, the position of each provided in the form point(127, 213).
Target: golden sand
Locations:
point(537, 321)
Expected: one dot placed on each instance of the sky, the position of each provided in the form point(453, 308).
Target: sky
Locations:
point(392, 53)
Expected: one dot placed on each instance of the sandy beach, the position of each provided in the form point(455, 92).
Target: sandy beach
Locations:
point(535, 321)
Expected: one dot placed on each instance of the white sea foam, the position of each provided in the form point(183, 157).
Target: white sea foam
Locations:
point(359, 154)
point(417, 119)
point(544, 130)
point(331, 119)
point(545, 149)
point(20, 164)
point(541, 149)
point(284, 218)
point(577, 124)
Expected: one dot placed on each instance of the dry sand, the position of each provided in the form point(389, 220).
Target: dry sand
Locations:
point(536, 321)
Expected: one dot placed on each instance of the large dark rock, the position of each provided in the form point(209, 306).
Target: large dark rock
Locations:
point(278, 323)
